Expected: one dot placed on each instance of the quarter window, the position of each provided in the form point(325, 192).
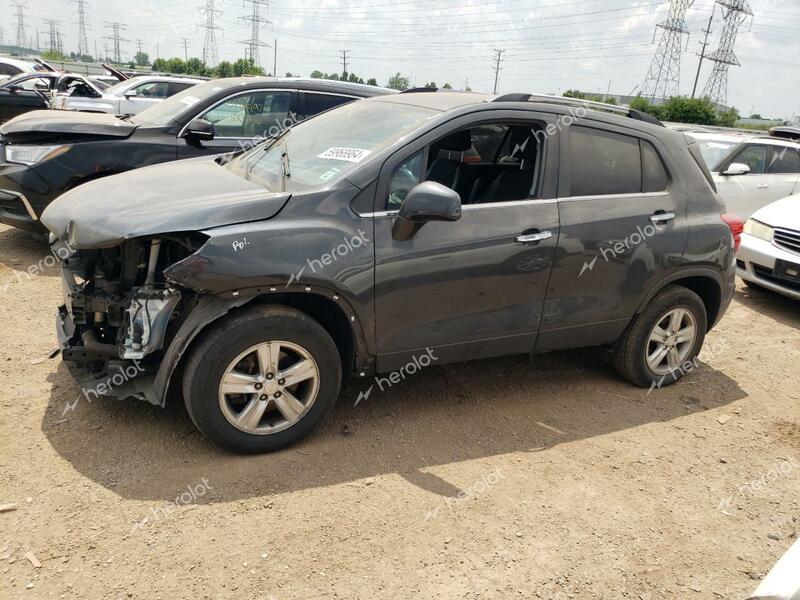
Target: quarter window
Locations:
point(654, 175)
point(317, 103)
point(250, 115)
point(783, 160)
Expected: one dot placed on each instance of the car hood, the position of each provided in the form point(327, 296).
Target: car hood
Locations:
point(188, 195)
point(56, 121)
point(783, 213)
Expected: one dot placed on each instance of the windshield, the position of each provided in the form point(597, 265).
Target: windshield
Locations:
point(168, 110)
point(329, 146)
point(714, 152)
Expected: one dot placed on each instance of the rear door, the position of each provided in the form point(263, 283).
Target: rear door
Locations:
point(243, 119)
point(143, 96)
point(472, 288)
point(623, 227)
point(29, 94)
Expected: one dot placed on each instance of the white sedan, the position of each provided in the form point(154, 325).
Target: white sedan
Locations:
point(128, 97)
point(769, 253)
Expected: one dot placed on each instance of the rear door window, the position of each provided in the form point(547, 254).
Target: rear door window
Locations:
point(604, 163)
point(317, 103)
point(783, 160)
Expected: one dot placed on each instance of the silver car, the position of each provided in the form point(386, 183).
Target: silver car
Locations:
point(128, 97)
point(769, 254)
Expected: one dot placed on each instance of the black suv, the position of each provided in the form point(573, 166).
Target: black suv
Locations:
point(45, 153)
point(383, 236)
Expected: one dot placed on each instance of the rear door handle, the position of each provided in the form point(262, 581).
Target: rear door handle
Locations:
point(762, 186)
point(662, 217)
point(533, 238)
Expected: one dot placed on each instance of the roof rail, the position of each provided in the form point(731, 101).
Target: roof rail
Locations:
point(579, 103)
point(419, 89)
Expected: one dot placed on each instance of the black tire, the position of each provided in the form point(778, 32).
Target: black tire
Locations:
point(630, 353)
point(227, 339)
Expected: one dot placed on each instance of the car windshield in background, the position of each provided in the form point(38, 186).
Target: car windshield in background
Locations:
point(168, 110)
point(327, 147)
point(714, 152)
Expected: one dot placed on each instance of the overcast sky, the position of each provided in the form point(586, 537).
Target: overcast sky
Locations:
point(550, 45)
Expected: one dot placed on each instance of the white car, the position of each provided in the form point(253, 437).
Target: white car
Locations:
point(769, 252)
point(759, 171)
point(128, 97)
point(716, 146)
point(14, 66)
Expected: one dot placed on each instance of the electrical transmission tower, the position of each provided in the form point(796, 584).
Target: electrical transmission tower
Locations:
point(210, 43)
point(20, 14)
point(53, 34)
point(735, 13)
point(115, 38)
point(344, 64)
point(664, 77)
point(257, 21)
point(83, 40)
point(498, 58)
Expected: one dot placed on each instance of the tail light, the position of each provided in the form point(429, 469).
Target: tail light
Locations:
point(736, 225)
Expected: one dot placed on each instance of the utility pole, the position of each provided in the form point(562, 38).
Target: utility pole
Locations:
point(257, 22)
point(704, 45)
point(83, 42)
point(275, 59)
point(344, 63)
point(52, 33)
point(664, 77)
point(96, 53)
point(498, 58)
point(185, 49)
point(116, 27)
point(20, 14)
point(210, 43)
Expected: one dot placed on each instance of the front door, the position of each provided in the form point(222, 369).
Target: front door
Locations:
point(243, 120)
point(475, 287)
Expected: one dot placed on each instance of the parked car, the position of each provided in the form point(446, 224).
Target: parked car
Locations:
point(787, 132)
point(716, 146)
point(769, 256)
point(9, 67)
point(757, 172)
point(46, 153)
point(33, 91)
point(127, 97)
point(361, 241)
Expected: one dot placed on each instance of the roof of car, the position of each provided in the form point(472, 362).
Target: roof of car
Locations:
point(442, 101)
point(22, 64)
point(321, 85)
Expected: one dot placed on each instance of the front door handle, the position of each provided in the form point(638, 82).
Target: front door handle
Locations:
point(660, 218)
point(762, 186)
point(533, 238)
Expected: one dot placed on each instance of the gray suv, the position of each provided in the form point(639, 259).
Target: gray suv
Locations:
point(396, 230)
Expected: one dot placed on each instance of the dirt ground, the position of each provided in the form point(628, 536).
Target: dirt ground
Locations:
point(497, 479)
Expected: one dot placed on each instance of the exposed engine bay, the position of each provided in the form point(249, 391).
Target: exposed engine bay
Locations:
point(118, 301)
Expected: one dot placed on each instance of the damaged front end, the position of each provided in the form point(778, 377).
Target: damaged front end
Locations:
point(120, 312)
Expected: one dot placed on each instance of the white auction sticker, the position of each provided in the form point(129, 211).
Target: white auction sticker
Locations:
point(190, 100)
point(353, 155)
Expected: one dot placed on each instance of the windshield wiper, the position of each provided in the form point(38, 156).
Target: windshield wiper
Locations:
point(285, 167)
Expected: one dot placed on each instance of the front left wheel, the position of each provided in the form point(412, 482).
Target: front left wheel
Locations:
point(262, 379)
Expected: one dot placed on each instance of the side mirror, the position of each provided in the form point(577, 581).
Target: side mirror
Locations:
point(131, 94)
point(735, 169)
point(16, 89)
point(428, 201)
point(200, 129)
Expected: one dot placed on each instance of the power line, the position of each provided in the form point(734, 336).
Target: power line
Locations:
point(116, 27)
point(210, 55)
point(498, 58)
point(257, 22)
point(83, 41)
point(735, 12)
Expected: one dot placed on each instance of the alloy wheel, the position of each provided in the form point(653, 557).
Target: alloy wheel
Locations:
point(671, 341)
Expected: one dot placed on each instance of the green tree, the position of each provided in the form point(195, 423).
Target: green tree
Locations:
point(679, 109)
point(195, 66)
point(756, 116)
point(223, 69)
point(288, 74)
point(53, 55)
point(643, 105)
point(317, 75)
point(141, 59)
point(447, 86)
point(575, 94)
point(432, 85)
point(728, 118)
point(246, 66)
point(398, 82)
point(372, 81)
